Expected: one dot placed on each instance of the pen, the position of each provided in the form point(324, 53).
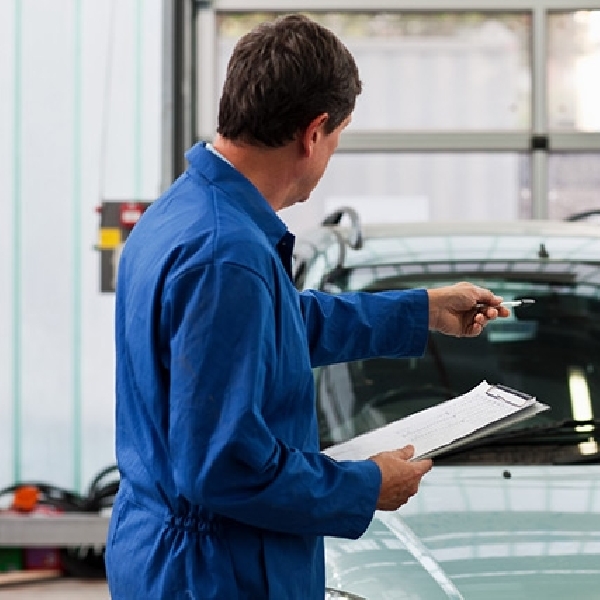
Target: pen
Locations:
point(508, 303)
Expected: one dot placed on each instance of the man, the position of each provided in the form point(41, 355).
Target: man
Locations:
point(224, 494)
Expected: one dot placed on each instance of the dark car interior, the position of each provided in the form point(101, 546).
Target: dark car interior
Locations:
point(550, 350)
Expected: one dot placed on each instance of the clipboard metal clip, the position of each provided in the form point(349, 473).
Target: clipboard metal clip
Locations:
point(506, 394)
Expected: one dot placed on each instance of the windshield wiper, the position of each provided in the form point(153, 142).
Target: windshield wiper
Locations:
point(565, 432)
point(582, 459)
point(589, 426)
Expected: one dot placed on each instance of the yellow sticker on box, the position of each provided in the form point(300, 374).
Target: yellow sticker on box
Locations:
point(110, 237)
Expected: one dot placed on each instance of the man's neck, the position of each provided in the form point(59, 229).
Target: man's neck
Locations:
point(217, 153)
point(271, 170)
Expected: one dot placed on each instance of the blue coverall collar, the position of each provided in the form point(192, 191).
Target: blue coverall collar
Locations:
point(240, 191)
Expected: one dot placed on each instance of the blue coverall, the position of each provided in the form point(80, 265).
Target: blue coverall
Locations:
point(224, 494)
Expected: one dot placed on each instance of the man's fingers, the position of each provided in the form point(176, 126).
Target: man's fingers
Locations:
point(400, 477)
point(422, 466)
point(405, 453)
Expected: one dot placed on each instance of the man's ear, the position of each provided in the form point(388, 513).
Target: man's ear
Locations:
point(311, 135)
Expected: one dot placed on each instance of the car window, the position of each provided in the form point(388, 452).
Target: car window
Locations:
point(550, 350)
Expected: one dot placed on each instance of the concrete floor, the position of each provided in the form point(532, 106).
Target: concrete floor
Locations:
point(59, 589)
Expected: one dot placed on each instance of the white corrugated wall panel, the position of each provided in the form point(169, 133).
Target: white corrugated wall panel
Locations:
point(83, 125)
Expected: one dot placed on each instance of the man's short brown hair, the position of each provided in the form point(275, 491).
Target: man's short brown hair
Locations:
point(281, 76)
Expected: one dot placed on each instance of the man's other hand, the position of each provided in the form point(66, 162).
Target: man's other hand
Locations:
point(463, 309)
point(400, 478)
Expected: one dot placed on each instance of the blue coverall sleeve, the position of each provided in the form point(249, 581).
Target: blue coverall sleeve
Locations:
point(219, 323)
point(360, 325)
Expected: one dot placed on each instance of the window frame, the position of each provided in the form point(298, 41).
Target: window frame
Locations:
point(539, 141)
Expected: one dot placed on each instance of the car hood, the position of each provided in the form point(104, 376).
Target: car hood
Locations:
point(481, 532)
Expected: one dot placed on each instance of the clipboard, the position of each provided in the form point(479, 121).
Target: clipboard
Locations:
point(483, 410)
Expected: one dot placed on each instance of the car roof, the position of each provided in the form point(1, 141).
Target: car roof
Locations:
point(507, 228)
point(389, 243)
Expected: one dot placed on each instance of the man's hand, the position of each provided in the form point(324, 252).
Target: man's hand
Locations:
point(399, 478)
point(454, 310)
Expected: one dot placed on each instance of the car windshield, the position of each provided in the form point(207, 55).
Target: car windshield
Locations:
point(550, 349)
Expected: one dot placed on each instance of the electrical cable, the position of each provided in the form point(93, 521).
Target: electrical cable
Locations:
point(84, 562)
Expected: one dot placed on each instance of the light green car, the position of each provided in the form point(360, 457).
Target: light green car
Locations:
point(512, 516)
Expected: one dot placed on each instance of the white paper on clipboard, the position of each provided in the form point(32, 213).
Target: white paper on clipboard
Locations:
point(483, 410)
